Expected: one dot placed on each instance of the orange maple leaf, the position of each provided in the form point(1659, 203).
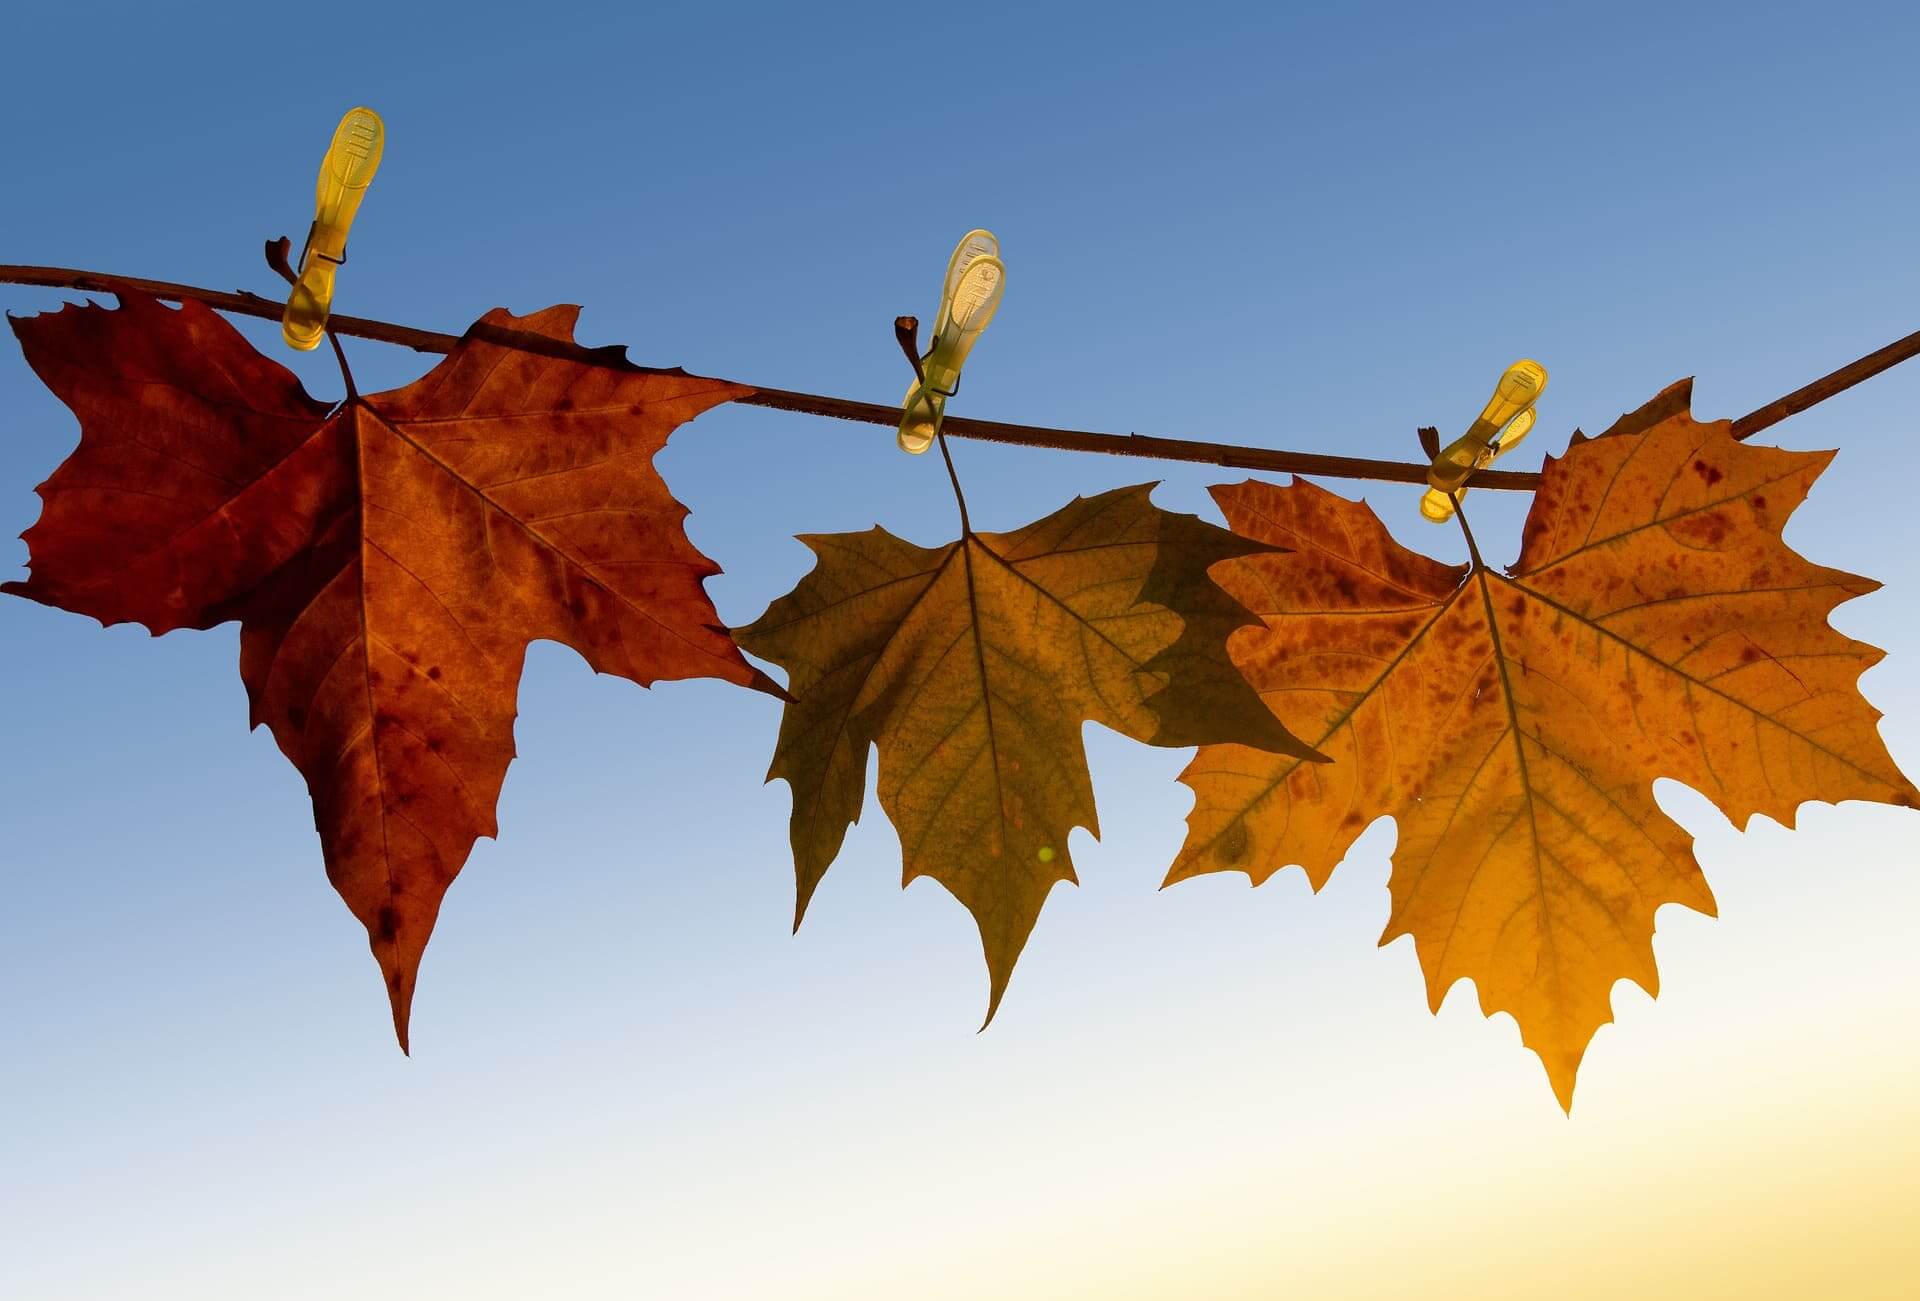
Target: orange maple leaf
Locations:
point(388, 560)
point(1655, 625)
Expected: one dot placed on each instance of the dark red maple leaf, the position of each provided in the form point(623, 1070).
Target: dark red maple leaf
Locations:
point(388, 560)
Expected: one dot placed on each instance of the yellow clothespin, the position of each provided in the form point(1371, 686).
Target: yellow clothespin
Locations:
point(1504, 421)
point(971, 294)
point(345, 173)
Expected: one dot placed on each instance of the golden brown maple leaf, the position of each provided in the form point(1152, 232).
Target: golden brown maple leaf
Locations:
point(973, 666)
point(389, 562)
point(1513, 724)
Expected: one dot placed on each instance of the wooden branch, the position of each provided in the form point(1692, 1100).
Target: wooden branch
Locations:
point(1230, 455)
point(1827, 385)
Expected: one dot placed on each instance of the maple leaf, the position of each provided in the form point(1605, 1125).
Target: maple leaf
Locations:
point(1655, 625)
point(389, 560)
point(972, 666)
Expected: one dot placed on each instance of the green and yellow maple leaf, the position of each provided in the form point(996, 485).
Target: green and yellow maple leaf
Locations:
point(972, 667)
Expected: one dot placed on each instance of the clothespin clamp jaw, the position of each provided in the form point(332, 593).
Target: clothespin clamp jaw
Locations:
point(1506, 419)
point(345, 173)
point(976, 279)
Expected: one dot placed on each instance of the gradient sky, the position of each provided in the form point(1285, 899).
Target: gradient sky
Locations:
point(1317, 231)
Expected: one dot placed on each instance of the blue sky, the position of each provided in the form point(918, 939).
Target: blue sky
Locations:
point(1296, 228)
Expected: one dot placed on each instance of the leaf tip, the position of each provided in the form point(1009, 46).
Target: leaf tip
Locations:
point(999, 974)
point(1562, 1089)
point(399, 984)
point(993, 1003)
point(762, 683)
point(1562, 1065)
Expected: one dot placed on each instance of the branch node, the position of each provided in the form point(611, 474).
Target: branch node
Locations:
point(906, 332)
point(277, 250)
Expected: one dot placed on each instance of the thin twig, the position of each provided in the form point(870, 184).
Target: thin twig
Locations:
point(1825, 387)
point(1234, 456)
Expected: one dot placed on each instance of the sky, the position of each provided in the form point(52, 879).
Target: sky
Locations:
point(1298, 227)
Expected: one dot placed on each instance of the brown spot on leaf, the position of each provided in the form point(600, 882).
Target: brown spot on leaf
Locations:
point(1232, 846)
point(1704, 532)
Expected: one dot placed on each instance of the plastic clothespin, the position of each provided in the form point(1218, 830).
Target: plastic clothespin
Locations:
point(345, 173)
point(976, 278)
point(1506, 419)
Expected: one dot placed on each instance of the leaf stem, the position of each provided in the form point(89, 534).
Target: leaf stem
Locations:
point(966, 525)
point(346, 372)
point(277, 260)
point(1230, 455)
point(1473, 549)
